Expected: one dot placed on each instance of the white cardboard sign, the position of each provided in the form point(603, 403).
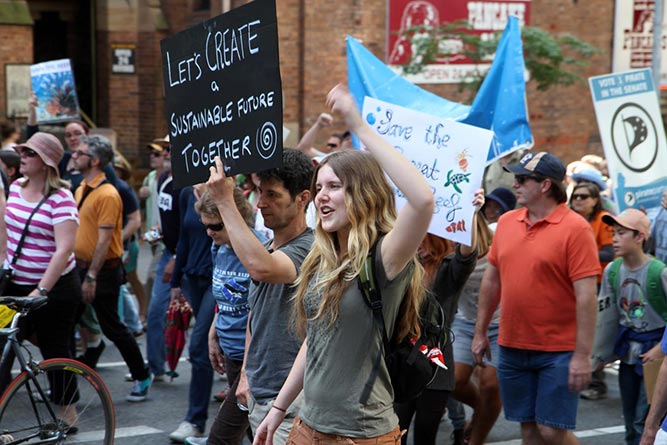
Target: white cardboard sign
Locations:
point(628, 114)
point(449, 154)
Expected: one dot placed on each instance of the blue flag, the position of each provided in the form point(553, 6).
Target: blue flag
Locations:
point(500, 104)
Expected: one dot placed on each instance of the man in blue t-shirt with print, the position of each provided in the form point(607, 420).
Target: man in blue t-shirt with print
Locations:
point(654, 433)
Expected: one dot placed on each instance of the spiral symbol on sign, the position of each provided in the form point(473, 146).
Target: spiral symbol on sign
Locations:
point(266, 140)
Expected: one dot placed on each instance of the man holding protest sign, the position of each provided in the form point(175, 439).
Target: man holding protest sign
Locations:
point(547, 318)
point(271, 346)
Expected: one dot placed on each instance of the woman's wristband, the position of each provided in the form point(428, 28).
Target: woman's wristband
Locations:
point(280, 409)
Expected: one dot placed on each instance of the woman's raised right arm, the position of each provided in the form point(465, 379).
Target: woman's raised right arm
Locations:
point(401, 243)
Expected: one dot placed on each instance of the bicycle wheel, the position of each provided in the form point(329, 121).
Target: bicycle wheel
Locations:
point(25, 416)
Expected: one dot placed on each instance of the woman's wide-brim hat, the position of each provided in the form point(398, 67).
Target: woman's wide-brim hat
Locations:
point(47, 146)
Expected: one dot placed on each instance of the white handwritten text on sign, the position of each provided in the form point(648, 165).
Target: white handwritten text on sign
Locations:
point(223, 93)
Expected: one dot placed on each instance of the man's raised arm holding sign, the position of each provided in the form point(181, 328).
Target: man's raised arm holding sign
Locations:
point(270, 347)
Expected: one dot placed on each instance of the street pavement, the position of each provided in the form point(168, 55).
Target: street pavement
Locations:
point(150, 422)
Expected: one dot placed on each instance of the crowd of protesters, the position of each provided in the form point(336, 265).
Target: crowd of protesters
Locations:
point(269, 264)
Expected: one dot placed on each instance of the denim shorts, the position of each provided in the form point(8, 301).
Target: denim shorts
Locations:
point(464, 331)
point(533, 387)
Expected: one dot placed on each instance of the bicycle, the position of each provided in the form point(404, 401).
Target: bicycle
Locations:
point(34, 404)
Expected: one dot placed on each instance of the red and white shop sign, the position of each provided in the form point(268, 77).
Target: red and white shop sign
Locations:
point(486, 18)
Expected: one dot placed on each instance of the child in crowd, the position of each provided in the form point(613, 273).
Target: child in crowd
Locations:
point(631, 282)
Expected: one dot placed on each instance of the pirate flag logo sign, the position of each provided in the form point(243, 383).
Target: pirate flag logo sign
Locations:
point(634, 137)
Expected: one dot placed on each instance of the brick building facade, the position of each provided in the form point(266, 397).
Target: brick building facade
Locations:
point(312, 50)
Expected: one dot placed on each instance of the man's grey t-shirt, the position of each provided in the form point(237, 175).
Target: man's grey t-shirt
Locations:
point(274, 345)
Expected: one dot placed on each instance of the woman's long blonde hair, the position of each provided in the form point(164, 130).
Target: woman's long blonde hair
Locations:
point(371, 210)
point(52, 182)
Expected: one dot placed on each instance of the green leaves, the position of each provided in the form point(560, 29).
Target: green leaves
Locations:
point(550, 60)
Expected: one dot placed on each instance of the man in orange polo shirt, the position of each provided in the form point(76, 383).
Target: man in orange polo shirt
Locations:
point(98, 249)
point(543, 271)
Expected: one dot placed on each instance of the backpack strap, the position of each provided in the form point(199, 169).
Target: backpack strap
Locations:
point(373, 298)
point(371, 292)
point(88, 190)
point(655, 292)
point(24, 232)
point(612, 275)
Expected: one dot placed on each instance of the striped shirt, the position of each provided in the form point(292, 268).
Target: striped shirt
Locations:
point(40, 244)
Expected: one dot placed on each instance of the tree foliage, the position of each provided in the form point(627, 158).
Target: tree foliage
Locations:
point(550, 60)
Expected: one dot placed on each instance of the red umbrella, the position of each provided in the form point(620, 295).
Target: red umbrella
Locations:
point(178, 320)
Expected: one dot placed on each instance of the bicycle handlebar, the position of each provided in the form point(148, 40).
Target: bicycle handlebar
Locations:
point(20, 303)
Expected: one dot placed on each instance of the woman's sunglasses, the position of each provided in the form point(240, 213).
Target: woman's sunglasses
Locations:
point(28, 153)
point(214, 227)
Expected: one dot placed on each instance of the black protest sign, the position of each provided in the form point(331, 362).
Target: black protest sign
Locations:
point(223, 94)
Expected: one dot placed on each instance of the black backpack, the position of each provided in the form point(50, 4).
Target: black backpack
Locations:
point(410, 370)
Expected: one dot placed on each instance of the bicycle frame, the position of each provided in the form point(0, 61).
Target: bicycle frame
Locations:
point(28, 366)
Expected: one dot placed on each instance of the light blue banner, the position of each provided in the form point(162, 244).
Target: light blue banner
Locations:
point(614, 86)
point(645, 196)
point(500, 104)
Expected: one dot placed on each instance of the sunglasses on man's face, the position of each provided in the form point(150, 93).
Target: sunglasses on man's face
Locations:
point(520, 179)
point(156, 154)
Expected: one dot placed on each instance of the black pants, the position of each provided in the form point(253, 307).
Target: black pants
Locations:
point(428, 409)
point(53, 327)
point(231, 423)
point(107, 289)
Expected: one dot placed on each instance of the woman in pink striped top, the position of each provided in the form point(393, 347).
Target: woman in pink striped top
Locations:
point(45, 264)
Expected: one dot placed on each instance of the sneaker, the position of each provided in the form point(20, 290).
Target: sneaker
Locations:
point(140, 390)
point(192, 440)
point(593, 394)
point(156, 378)
point(185, 430)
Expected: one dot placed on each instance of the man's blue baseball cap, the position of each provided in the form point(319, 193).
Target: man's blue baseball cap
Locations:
point(542, 163)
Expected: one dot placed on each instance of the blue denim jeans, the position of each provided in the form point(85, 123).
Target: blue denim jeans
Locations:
point(633, 401)
point(534, 387)
point(156, 321)
point(198, 292)
point(456, 413)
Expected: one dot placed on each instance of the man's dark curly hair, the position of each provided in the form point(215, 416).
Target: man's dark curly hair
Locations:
point(296, 173)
